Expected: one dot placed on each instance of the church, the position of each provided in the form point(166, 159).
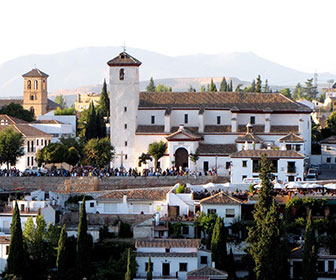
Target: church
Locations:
point(218, 125)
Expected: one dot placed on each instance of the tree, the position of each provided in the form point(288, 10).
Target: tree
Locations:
point(286, 92)
point(60, 261)
point(251, 88)
point(65, 111)
point(101, 127)
point(266, 87)
point(149, 275)
point(53, 153)
point(206, 223)
point(309, 260)
point(238, 88)
point(84, 244)
point(99, 152)
point(297, 93)
point(104, 101)
point(16, 256)
point(223, 85)
point(72, 156)
point(218, 245)
point(151, 85)
point(310, 90)
point(191, 89)
point(17, 111)
point(331, 123)
point(163, 88)
point(11, 146)
point(203, 88)
point(59, 99)
point(128, 274)
point(91, 125)
point(231, 267)
point(194, 157)
point(144, 158)
point(230, 87)
point(157, 150)
point(212, 87)
point(258, 86)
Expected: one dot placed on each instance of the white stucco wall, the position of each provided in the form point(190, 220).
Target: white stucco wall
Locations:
point(221, 211)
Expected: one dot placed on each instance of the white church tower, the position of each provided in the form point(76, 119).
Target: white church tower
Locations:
point(124, 102)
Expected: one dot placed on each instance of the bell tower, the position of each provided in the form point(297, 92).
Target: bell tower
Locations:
point(124, 102)
point(35, 94)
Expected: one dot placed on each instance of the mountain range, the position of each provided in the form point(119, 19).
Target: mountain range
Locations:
point(84, 69)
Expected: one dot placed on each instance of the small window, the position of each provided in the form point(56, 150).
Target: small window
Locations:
point(204, 260)
point(152, 119)
point(32, 97)
point(121, 74)
point(125, 109)
point(183, 266)
point(185, 229)
point(36, 84)
point(212, 211)
point(32, 110)
point(229, 213)
point(244, 177)
point(328, 159)
point(7, 250)
point(91, 204)
point(167, 250)
point(44, 84)
point(37, 142)
point(331, 266)
point(218, 120)
point(244, 163)
point(185, 118)
point(288, 147)
point(125, 143)
point(252, 120)
point(125, 125)
point(227, 165)
point(29, 84)
point(125, 156)
point(28, 161)
point(297, 148)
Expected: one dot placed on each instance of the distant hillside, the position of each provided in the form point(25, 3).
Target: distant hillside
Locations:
point(87, 66)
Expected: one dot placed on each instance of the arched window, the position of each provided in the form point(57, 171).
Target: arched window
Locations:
point(29, 84)
point(32, 110)
point(44, 84)
point(32, 97)
point(36, 84)
point(121, 74)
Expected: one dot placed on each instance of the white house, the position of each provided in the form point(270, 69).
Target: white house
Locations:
point(225, 206)
point(288, 165)
point(328, 150)
point(172, 258)
point(212, 123)
point(4, 251)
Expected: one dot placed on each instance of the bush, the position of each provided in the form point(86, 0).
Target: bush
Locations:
point(125, 230)
point(180, 188)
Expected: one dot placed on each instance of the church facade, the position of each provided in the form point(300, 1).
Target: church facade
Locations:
point(216, 125)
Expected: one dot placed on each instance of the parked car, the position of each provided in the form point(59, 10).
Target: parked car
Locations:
point(313, 171)
point(311, 177)
point(315, 166)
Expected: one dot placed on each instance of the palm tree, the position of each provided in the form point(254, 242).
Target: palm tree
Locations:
point(194, 157)
point(157, 151)
point(143, 159)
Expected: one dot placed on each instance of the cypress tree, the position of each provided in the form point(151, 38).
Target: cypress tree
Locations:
point(253, 86)
point(83, 245)
point(91, 126)
point(218, 245)
point(258, 87)
point(104, 101)
point(151, 86)
point(230, 86)
point(60, 262)
point(223, 85)
point(149, 275)
point(128, 274)
point(309, 252)
point(16, 256)
point(213, 87)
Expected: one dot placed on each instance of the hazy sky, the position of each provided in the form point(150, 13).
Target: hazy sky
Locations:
point(295, 33)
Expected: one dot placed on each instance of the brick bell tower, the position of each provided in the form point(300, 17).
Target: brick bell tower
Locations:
point(35, 94)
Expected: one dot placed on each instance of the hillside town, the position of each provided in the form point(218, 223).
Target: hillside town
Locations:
point(210, 184)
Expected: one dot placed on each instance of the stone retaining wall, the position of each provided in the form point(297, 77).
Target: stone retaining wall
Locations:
point(89, 184)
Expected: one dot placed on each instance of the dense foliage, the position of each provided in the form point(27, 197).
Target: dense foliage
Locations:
point(11, 146)
point(17, 111)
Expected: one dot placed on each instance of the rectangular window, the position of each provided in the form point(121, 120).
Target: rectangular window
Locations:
point(32, 161)
point(331, 266)
point(37, 142)
point(28, 147)
point(244, 177)
point(291, 167)
point(212, 211)
point(125, 156)
point(218, 120)
point(185, 118)
point(185, 229)
point(125, 143)
point(183, 266)
point(49, 142)
point(297, 148)
point(41, 142)
point(229, 213)
point(244, 163)
point(227, 165)
point(205, 166)
point(167, 250)
point(204, 260)
point(125, 125)
point(255, 166)
point(7, 250)
point(328, 159)
point(288, 147)
point(252, 120)
point(125, 109)
point(28, 161)
point(152, 119)
point(91, 204)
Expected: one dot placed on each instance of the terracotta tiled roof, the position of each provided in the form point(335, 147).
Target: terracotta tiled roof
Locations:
point(217, 128)
point(291, 137)
point(124, 59)
point(255, 128)
point(136, 194)
point(48, 122)
point(207, 271)
point(186, 132)
point(167, 255)
point(268, 153)
point(168, 243)
point(284, 129)
point(4, 239)
point(11, 120)
point(221, 198)
point(249, 138)
point(150, 129)
point(5, 102)
point(35, 73)
point(329, 140)
point(219, 149)
point(224, 100)
point(193, 129)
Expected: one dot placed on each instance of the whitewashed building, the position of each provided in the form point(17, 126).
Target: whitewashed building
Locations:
point(4, 251)
point(170, 258)
point(212, 123)
point(328, 150)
